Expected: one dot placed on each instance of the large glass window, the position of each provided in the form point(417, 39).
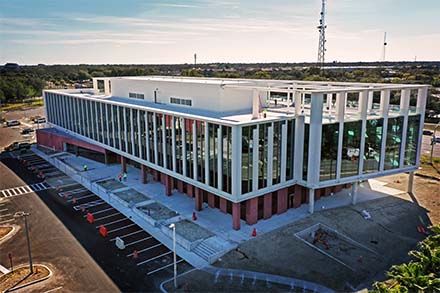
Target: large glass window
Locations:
point(290, 149)
point(306, 151)
point(350, 148)
point(277, 143)
point(329, 151)
point(227, 158)
point(134, 120)
point(200, 151)
point(247, 141)
point(151, 130)
point(169, 141)
point(394, 140)
point(178, 125)
point(213, 154)
point(263, 130)
point(373, 143)
point(189, 148)
point(412, 140)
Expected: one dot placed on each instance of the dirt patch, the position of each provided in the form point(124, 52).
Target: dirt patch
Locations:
point(157, 211)
point(192, 231)
point(4, 231)
point(22, 276)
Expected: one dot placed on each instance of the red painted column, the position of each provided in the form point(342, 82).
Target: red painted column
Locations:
point(223, 205)
point(298, 196)
point(211, 200)
point(168, 187)
point(144, 174)
point(327, 191)
point(124, 164)
point(282, 201)
point(180, 186)
point(267, 206)
point(318, 193)
point(199, 198)
point(155, 175)
point(236, 216)
point(337, 188)
point(252, 211)
point(190, 190)
point(162, 178)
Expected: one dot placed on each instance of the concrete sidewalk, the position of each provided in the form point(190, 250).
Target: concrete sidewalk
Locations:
point(210, 219)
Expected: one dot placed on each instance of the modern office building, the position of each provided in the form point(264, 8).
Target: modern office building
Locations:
point(251, 148)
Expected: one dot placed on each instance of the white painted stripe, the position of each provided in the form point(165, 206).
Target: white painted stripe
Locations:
point(4, 270)
point(164, 267)
point(54, 289)
point(28, 189)
point(3, 193)
point(7, 221)
point(81, 197)
point(101, 211)
point(35, 187)
point(5, 215)
point(3, 210)
point(146, 249)
point(7, 193)
point(151, 259)
point(11, 191)
point(114, 222)
point(118, 229)
point(41, 185)
point(129, 234)
point(137, 241)
point(108, 216)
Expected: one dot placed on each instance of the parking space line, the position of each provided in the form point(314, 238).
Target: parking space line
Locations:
point(129, 234)
point(73, 191)
point(106, 217)
point(81, 197)
point(11, 191)
point(114, 222)
point(2, 210)
point(164, 267)
point(101, 211)
point(151, 259)
point(5, 215)
point(89, 204)
point(7, 221)
point(118, 229)
point(137, 241)
point(3, 193)
point(22, 190)
point(27, 189)
point(146, 249)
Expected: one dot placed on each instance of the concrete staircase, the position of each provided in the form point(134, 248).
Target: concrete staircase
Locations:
point(205, 251)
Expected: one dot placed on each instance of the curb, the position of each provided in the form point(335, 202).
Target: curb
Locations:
point(10, 233)
point(33, 282)
point(427, 176)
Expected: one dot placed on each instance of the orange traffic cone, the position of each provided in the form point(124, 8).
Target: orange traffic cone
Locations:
point(135, 254)
point(254, 232)
point(194, 217)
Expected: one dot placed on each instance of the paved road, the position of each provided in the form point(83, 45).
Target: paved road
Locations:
point(52, 243)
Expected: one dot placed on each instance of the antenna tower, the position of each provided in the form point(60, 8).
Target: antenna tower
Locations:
point(321, 28)
point(384, 46)
point(195, 60)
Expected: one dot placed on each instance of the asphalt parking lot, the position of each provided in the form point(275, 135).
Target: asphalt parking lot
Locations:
point(141, 266)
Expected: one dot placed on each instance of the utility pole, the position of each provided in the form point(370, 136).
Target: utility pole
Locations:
point(173, 226)
point(195, 60)
point(24, 216)
point(384, 46)
point(321, 28)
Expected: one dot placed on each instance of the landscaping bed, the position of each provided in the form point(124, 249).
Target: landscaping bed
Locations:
point(5, 231)
point(22, 276)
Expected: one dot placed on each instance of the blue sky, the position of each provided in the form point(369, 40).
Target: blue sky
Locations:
point(171, 31)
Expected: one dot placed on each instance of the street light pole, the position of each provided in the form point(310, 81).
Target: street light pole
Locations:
point(173, 226)
point(24, 216)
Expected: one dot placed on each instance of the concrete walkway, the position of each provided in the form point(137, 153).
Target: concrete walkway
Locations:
point(211, 219)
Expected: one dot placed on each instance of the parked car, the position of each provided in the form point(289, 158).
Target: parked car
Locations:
point(427, 132)
point(435, 139)
point(18, 145)
point(12, 123)
point(27, 131)
point(40, 120)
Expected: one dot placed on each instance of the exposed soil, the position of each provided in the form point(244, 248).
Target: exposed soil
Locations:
point(4, 231)
point(22, 276)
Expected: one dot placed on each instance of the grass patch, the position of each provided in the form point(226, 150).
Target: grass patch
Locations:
point(427, 168)
point(22, 276)
point(33, 103)
point(4, 231)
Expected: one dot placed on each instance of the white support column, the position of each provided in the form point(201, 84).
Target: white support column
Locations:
point(119, 127)
point(341, 99)
point(103, 117)
point(184, 155)
point(270, 155)
point(173, 137)
point(410, 182)
point(164, 142)
point(315, 136)
point(299, 147)
point(140, 142)
point(195, 156)
point(420, 109)
point(207, 153)
point(255, 160)
point(311, 201)
point(95, 128)
point(370, 99)
point(107, 121)
point(298, 103)
point(363, 109)
point(125, 129)
point(219, 158)
point(156, 146)
point(384, 107)
point(236, 161)
point(283, 152)
point(404, 110)
point(86, 116)
point(354, 192)
point(113, 125)
point(147, 137)
point(132, 131)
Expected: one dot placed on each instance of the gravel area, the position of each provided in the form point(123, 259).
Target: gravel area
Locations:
point(191, 231)
point(131, 195)
point(157, 211)
point(110, 184)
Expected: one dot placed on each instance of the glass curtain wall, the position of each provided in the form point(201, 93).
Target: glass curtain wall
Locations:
point(350, 148)
point(290, 149)
point(247, 142)
point(373, 145)
point(306, 150)
point(227, 158)
point(262, 154)
point(329, 151)
point(412, 140)
point(394, 140)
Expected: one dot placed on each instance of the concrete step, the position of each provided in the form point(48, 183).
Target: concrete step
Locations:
point(205, 251)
